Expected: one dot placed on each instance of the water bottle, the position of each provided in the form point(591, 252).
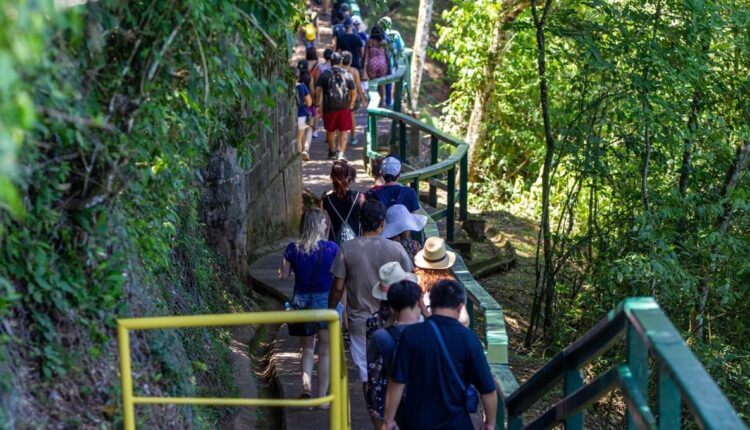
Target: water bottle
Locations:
point(287, 306)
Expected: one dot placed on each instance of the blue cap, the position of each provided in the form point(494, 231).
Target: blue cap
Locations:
point(347, 22)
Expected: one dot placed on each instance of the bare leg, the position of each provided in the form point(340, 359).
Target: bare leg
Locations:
point(343, 140)
point(307, 344)
point(330, 136)
point(324, 363)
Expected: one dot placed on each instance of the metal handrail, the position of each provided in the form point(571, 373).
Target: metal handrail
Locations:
point(338, 398)
point(647, 333)
point(457, 161)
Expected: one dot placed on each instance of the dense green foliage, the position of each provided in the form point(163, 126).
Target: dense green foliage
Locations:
point(650, 114)
point(116, 106)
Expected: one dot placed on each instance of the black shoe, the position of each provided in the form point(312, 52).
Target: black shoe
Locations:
point(332, 155)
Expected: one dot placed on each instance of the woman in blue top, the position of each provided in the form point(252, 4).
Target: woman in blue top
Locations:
point(311, 259)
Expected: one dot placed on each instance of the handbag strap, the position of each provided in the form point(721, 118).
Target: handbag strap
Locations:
point(446, 355)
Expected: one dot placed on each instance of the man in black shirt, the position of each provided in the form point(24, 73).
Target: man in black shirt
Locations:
point(350, 41)
point(435, 398)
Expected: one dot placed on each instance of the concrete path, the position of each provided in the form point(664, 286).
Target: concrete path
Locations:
point(286, 358)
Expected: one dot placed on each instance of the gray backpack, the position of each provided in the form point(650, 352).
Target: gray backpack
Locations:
point(346, 232)
point(337, 96)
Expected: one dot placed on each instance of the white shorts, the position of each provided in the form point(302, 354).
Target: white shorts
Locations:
point(301, 122)
point(358, 348)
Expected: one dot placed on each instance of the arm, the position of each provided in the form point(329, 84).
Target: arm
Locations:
point(392, 400)
point(352, 98)
point(489, 402)
point(308, 100)
point(463, 317)
point(337, 291)
point(285, 269)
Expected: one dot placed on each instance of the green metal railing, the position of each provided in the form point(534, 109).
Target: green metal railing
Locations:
point(650, 339)
point(454, 167)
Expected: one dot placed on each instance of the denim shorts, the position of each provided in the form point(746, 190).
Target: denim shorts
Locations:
point(316, 301)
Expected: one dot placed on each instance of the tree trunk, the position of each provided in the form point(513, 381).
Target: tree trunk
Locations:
point(722, 225)
point(475, 133)
point(687, 153)
point(547, 281)
point(421, 38)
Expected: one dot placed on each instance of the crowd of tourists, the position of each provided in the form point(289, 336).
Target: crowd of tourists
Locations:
point(403, 311)
point(334, 87)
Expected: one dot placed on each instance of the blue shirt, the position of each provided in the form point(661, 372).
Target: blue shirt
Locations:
point(312, 272)
point(302, 91)
point(433, 398)
point(395, 195)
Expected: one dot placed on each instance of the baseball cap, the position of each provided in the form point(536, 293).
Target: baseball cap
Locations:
point(336, 58)
point(391, 166)
point(302, 65)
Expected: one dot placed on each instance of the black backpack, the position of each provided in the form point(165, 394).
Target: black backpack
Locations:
point(337, 94)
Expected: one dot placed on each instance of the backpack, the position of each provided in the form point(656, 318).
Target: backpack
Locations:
point(337, 94)
point(346, 232)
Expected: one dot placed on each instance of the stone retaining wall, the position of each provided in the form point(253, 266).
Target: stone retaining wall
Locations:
point(245, 209)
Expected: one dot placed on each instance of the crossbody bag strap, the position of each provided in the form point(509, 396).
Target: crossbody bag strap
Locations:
point(446, 355)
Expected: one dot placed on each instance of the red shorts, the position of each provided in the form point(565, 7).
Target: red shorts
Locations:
point(338, 120)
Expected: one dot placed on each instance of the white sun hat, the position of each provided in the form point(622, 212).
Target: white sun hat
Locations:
point(398, 219)
point(434, 255)
point(389, 274)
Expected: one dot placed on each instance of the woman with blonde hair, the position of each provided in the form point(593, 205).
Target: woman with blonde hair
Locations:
point(310, 259)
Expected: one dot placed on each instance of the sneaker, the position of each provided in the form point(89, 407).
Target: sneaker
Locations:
point(353, 141)
point(341, 156)
point(332, 155)
point(315, 134)
point(305, 156)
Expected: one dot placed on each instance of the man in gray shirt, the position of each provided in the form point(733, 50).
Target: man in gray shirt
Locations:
point(355, 271)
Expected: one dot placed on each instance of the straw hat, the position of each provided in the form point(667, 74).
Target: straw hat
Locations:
point(398, 219)
point(389, 274)
point(434, 255)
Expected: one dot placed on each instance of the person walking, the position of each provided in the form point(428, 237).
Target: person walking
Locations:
point(432, 265)
point(342, 204)
point(399, 223)
point(304, 102)
point(361, 96)
point(403, 299)
point(355, 270)
point(444, 365)
point(375, 63)
point(395, 44)
point(392, 193)
point(313, 67)
point(351, 42)
point(310, 259)
point(338, 97)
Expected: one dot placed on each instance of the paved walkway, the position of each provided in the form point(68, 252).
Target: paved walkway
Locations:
point(286, 358)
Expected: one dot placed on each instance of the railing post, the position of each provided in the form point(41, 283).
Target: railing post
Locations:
point(126, 375)
point(338, 411)
point(372, 128)
point(669, 403)
point(500, 420)
point(463, 191)
point(433, 161)
point(451, 208)
point(402, 142)
point(638, 363)
point(573, 381)
point(472, 316)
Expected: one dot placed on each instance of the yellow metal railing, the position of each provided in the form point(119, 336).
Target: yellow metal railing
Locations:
point(339, 397)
